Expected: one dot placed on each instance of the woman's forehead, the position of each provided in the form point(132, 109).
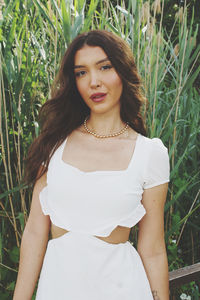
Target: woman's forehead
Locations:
point(89, 54)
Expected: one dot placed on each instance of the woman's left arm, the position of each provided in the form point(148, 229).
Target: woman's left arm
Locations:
point(151, 243)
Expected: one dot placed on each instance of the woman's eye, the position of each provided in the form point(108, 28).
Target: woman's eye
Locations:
point(106, 67)
point(80, 73)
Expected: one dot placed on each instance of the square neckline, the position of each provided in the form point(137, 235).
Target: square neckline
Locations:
point(135, 150)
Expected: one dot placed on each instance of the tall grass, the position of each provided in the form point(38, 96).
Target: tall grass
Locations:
point(33, 37)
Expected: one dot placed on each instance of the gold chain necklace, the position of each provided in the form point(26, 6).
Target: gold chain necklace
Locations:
point(104, 136)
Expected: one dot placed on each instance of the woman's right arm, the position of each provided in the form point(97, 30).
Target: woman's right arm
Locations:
point(33, 246)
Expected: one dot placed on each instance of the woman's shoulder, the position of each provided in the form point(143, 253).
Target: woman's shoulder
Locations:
point(153, 143)
point(156, 161)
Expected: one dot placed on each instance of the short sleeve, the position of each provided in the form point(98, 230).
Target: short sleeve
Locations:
point(157, 168)
point(43, 196)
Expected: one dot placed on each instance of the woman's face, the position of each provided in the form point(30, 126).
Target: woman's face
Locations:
point(96, 79)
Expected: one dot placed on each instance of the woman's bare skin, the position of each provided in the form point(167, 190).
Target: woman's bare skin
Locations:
point(119, 235)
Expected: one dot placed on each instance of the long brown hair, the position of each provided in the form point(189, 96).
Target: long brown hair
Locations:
point(66, 110)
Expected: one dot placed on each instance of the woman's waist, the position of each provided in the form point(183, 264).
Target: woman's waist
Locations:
point(120, 234)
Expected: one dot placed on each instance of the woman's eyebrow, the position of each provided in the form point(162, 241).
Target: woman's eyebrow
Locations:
point(97, 63)
point(102, 60)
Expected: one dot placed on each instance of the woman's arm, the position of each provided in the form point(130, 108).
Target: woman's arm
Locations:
point(33, 246)
point(151, 244)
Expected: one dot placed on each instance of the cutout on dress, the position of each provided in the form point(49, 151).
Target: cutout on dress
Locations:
point(113, 238)
point(57, 232)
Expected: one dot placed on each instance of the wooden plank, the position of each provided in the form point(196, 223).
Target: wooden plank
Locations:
point(184, 275)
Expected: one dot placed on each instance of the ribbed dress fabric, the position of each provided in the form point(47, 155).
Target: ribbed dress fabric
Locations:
point(78, 265)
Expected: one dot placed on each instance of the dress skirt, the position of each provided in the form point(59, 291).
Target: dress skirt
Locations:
point(80, 266)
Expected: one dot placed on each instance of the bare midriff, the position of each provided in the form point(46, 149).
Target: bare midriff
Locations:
point(119, 235)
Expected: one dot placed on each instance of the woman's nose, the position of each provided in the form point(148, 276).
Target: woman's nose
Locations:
point(94, 80)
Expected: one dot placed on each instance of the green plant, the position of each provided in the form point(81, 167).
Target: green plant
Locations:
point(33, 37)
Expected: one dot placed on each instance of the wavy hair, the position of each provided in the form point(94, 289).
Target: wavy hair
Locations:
point(66, 110)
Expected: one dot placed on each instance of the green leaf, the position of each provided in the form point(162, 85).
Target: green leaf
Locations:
point(90, 14)
point(43, 12)
point(21, 220)
point(11, 286)
point(14, 254)
point(15, 189)
point(66, 20)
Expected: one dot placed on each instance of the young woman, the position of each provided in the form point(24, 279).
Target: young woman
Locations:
point(96, 175)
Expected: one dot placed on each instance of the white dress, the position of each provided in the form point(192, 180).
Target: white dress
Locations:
point(78, 265)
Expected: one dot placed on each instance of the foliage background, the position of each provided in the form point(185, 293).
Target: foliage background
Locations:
point(165, 40)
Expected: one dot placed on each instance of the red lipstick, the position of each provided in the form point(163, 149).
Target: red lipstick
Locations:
point(97, 97)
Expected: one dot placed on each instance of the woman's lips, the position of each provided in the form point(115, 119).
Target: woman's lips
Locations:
point(97, 97)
